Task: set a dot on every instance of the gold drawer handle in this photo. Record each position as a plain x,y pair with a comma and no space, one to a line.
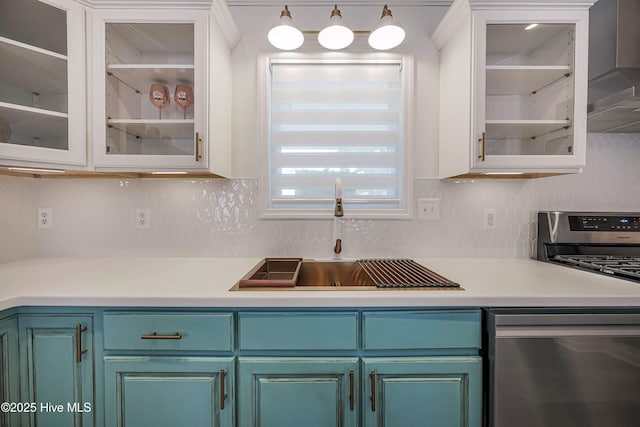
155,336
372,376
79,350
352,391
223,394
197,143
482,152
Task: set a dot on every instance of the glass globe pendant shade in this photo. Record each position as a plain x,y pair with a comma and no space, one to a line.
336,35
388,34
285,35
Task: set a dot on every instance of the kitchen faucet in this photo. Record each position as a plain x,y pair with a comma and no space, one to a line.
338,212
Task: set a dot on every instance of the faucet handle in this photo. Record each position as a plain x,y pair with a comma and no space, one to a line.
338,247
338,211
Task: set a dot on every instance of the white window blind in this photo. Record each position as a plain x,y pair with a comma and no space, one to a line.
331,120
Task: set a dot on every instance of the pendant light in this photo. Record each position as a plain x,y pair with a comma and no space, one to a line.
388,34
285,34
336,35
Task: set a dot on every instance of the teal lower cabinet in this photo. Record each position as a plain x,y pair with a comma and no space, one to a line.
422,391
9,369
301,367
371,368
296,392
167,391
56,366
422,368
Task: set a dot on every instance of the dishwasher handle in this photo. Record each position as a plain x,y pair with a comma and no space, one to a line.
542,331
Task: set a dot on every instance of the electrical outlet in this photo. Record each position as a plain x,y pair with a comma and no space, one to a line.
45,218
143,218
489,219
429,209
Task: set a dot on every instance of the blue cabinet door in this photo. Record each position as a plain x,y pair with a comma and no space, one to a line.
422,392
296,392
169,391
9,369
57,369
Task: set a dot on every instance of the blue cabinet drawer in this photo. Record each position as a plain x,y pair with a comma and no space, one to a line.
298,331
421,330
168,331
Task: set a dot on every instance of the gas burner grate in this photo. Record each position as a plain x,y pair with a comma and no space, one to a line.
404,273
622,266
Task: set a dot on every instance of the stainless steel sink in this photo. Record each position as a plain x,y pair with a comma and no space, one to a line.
333,273
298,273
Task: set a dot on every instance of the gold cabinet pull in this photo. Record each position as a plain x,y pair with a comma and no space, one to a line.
155,336
79,350
352,397
223,395
482,151
372,375
198,141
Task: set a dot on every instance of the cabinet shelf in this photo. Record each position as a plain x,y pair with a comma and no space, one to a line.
140,76
522,129
155,129
522,79
32,68
6,107
27,123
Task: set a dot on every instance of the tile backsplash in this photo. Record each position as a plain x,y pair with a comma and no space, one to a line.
96,217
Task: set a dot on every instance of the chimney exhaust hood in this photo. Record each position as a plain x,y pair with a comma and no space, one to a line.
614,67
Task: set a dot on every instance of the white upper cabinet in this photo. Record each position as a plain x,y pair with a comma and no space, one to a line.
151,91
42,83
513,88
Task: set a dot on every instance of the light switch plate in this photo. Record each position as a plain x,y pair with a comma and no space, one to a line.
429,209
489,219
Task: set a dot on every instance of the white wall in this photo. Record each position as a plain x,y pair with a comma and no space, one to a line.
96,217
18,238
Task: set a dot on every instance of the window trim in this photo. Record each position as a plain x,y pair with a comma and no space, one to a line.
266,212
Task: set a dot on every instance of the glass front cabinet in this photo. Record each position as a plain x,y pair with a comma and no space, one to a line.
513,88
42,83
150,90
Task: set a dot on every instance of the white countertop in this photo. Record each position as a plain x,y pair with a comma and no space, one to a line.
205,282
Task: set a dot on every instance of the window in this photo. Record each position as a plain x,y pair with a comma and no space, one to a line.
330,119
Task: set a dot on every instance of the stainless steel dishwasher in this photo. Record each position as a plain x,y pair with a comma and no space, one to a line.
562,368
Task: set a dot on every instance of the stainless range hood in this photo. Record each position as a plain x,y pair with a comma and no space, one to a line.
614,66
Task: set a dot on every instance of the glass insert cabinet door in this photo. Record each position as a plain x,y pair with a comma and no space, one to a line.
154,94
528,84
41,82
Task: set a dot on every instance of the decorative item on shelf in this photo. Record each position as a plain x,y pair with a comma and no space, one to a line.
159,96
184,97
285,35
5,131
152,133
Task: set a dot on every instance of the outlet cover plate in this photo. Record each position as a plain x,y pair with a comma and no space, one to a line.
143,218
45,218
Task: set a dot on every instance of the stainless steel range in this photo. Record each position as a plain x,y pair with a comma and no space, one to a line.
602,242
